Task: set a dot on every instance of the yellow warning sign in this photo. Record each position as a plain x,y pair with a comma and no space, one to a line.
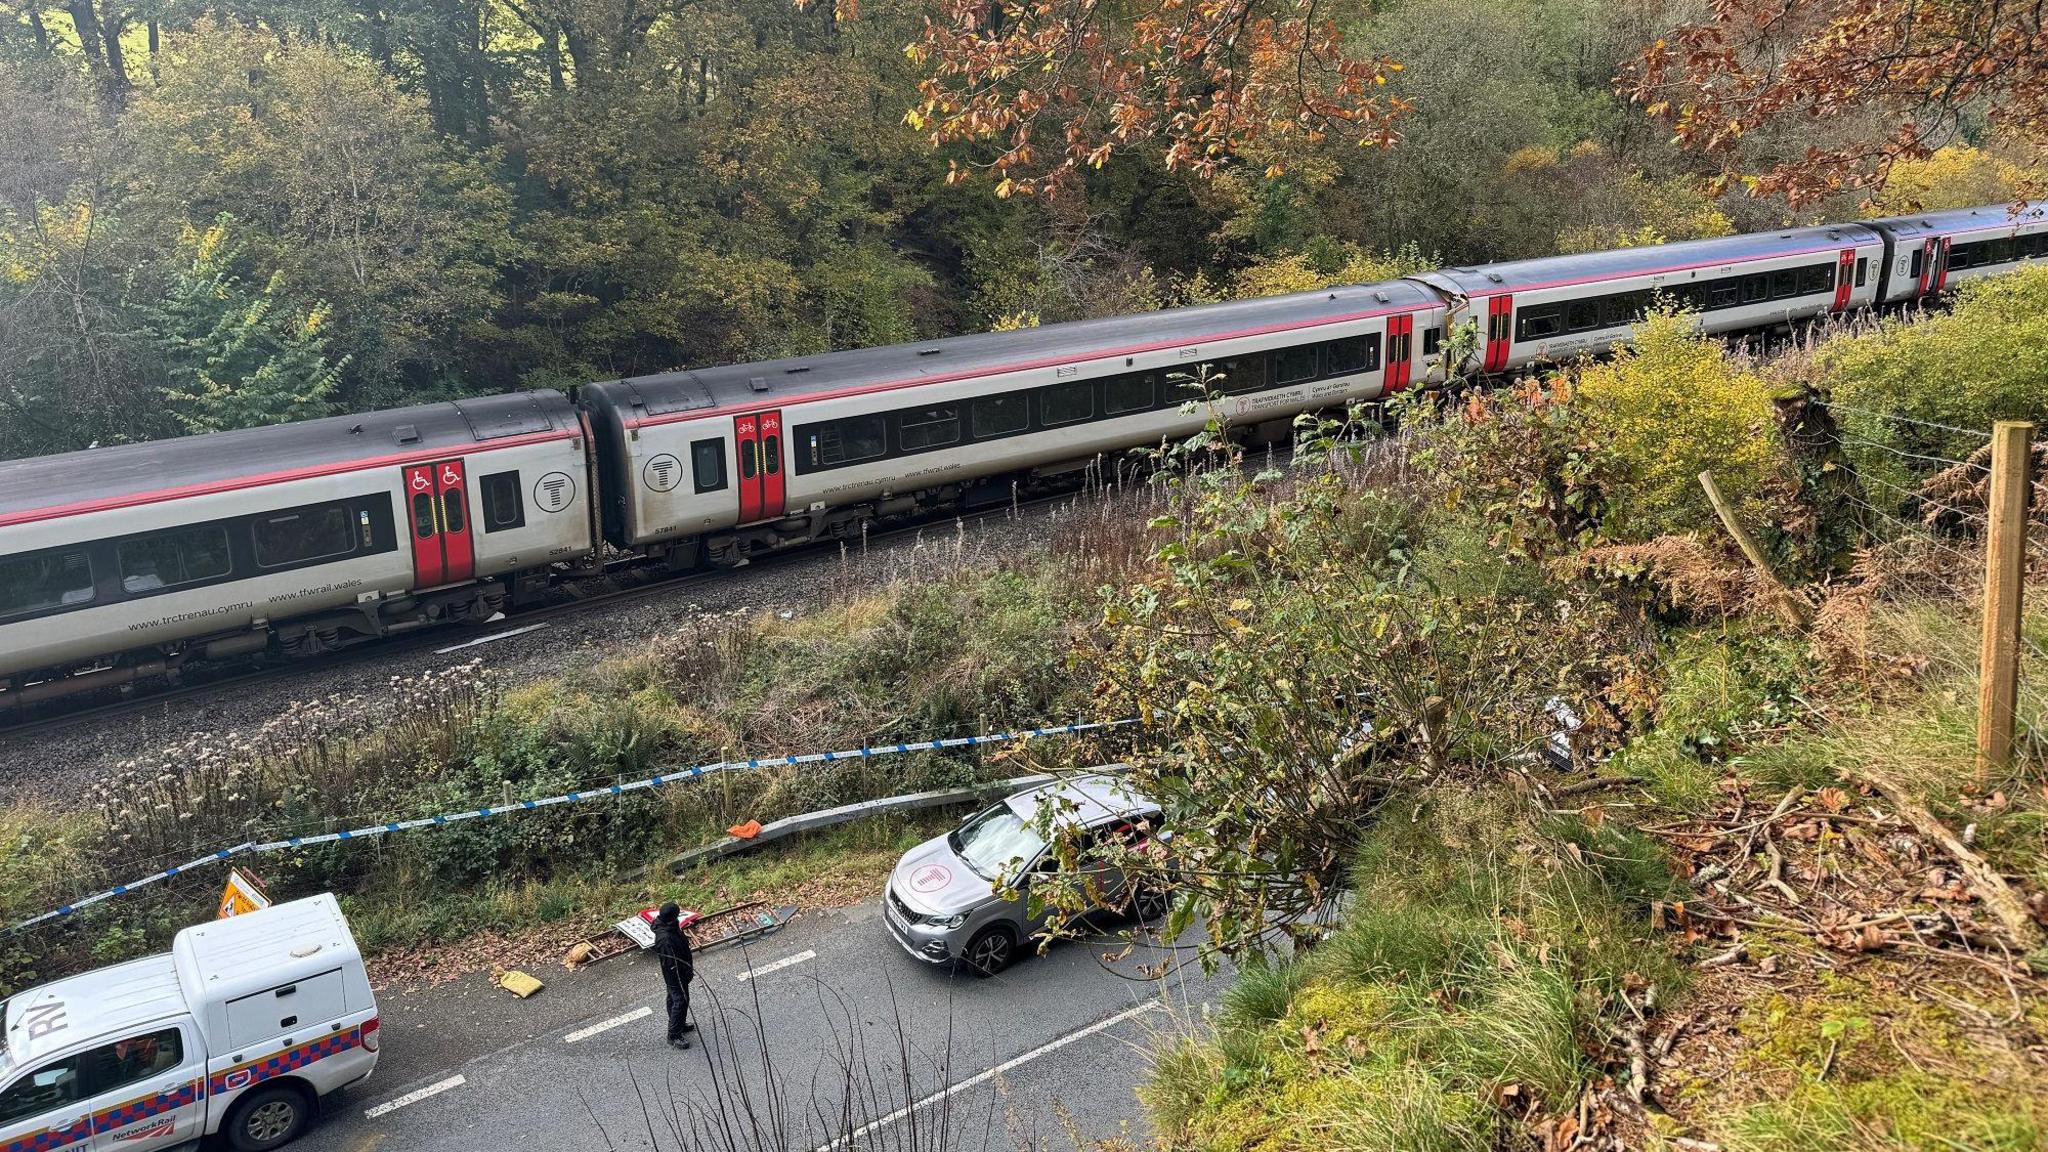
243,894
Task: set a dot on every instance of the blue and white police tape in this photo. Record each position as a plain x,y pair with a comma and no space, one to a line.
578,797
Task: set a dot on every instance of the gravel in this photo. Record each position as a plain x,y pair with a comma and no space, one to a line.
53,765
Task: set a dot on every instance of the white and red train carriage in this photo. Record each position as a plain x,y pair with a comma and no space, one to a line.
304,536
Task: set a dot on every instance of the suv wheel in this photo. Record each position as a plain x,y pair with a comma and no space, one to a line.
268,1118
1149,903
989,952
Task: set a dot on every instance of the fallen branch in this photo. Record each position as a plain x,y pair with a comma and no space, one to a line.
1984,880
1594,785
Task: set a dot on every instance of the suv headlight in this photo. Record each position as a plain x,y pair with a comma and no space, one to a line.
950,921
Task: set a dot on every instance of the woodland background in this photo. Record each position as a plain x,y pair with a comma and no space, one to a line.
225,214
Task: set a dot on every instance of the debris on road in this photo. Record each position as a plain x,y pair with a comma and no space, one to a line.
748,921
519,983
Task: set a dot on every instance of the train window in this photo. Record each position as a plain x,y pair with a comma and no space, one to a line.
1354,354
504,506
771,453
1003,415
1918,254
1239,374
1582,315
1398,347
423,515
1862,271
707,464
922,429
452,507
1816,278
1962,256
1724,294
1755,288
1538,322
168,559
1066,403
316,532
2001,251
1432,339
38,581
1784,283
1293,365
836,443
1132,393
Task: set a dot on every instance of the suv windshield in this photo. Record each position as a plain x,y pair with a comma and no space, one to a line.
995,840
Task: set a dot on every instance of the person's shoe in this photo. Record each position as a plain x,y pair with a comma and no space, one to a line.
680,1045
689,1027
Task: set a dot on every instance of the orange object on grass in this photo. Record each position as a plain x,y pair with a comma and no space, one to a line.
747,831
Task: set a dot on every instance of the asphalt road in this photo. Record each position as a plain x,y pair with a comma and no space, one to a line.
822,1029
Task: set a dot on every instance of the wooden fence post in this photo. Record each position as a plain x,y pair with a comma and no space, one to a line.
1788,604
2005,559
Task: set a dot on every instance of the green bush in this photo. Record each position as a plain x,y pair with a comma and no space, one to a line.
1984,360
1662,411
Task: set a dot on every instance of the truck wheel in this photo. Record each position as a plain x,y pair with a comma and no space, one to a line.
989,952
268,1118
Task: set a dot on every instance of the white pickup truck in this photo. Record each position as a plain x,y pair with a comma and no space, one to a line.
239,1030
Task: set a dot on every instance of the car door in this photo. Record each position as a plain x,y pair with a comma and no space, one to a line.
44,1107
146,1090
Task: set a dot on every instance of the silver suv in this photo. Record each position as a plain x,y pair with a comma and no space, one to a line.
946,900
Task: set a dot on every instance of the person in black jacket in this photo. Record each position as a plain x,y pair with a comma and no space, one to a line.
672,949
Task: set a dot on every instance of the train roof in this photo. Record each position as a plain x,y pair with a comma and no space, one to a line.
101,475
796,378
1962,219
1556,271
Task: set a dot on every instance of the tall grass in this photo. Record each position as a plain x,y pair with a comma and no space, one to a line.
1463,964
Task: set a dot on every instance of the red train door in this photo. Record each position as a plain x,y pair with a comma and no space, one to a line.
1845,278
1930,253
759,439
1941,271
1500,318
1400,351
437,503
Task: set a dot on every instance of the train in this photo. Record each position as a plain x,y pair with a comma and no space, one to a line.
130,561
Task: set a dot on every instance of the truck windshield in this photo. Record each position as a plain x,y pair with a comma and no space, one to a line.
995,840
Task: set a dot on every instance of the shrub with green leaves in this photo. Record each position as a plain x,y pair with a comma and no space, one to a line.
1659,413
1984,360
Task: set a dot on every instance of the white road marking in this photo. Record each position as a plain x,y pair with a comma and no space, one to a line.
415,1096
779,965
985,1077
488,639
604,1025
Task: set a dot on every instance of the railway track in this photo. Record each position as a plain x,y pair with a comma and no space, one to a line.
201,684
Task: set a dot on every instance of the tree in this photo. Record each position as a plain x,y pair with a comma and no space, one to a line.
236,358
343,191
1957,176
1054,87
71,356
1300,658
1935,69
